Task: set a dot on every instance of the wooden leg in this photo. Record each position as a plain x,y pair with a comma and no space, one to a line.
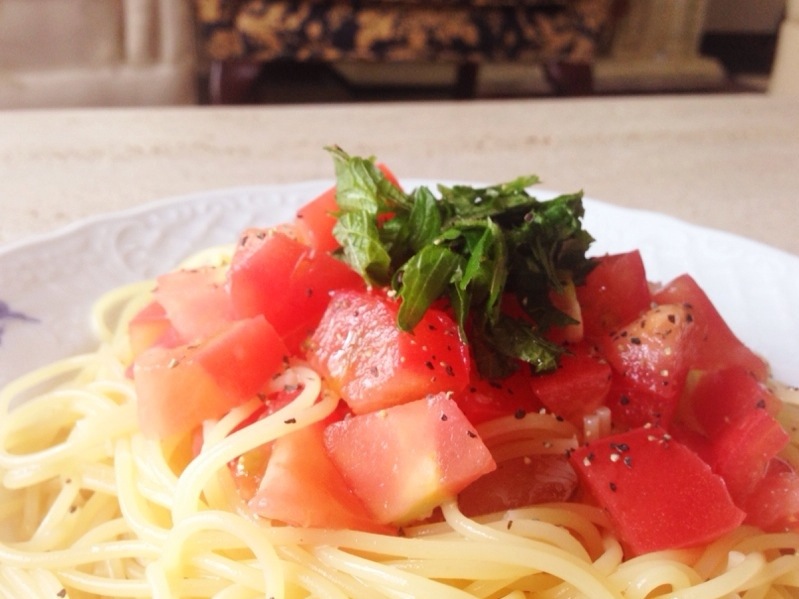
466,81
570,78
233,81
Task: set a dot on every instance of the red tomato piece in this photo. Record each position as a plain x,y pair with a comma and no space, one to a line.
405,460
744,449
520,482
373,364
774,503
632,407
578,386
287,282
316,219
484,400
658,493
302,487
719,346
177,388
150,326
718,398
654,351
614,294
195,301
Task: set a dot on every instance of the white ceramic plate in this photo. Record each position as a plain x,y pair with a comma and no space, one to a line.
48,283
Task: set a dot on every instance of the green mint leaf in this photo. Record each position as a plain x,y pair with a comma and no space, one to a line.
423,279
363,251
361,185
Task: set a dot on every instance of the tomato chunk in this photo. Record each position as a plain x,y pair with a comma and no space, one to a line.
655,350
578,386
774,503
483,399
615,292
177,388
374,365
719,346
150,326
195,301
287,282
405,460
520,482
302,487
658,493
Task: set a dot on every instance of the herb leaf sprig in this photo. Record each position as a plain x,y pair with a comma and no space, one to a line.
470,245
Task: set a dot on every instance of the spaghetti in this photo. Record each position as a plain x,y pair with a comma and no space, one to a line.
89,507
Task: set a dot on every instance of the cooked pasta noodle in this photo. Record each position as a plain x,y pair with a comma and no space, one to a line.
89,507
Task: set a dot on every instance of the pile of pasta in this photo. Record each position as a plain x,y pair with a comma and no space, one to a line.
89,507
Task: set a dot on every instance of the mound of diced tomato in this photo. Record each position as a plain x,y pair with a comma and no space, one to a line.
696,446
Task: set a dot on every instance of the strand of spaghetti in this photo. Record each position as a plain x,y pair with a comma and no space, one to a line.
584,520
118,305
498,428
611,557
177,543
552,560
292,416
713,559
52,527
735,579
350,586
528,447
546,532
454,568
16,582
390,581
643,576
20,388
90,442
132,505
778,541
76,556
775,569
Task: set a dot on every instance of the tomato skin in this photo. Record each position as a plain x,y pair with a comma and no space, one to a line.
658,493
177,388
150,326
719,346
419,454
195,301
482,400
285,281
520,482
654,351
615,292
301,486
773,505
719,398
373,364
743,450
578,386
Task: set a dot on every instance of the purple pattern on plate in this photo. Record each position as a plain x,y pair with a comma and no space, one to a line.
6,313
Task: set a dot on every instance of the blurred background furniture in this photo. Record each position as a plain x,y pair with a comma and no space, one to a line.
238,37
785,73
96,53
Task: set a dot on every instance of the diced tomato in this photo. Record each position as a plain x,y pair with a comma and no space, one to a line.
287,282
631,406
150,326
578,386
614,294
520,482
719,346
654,351
744,449
484,400
177,388
374,365
247,470
405,460
316,219
195,301
719,398
774,503
302,487
658,493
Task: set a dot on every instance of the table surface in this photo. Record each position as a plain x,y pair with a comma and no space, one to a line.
728,162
